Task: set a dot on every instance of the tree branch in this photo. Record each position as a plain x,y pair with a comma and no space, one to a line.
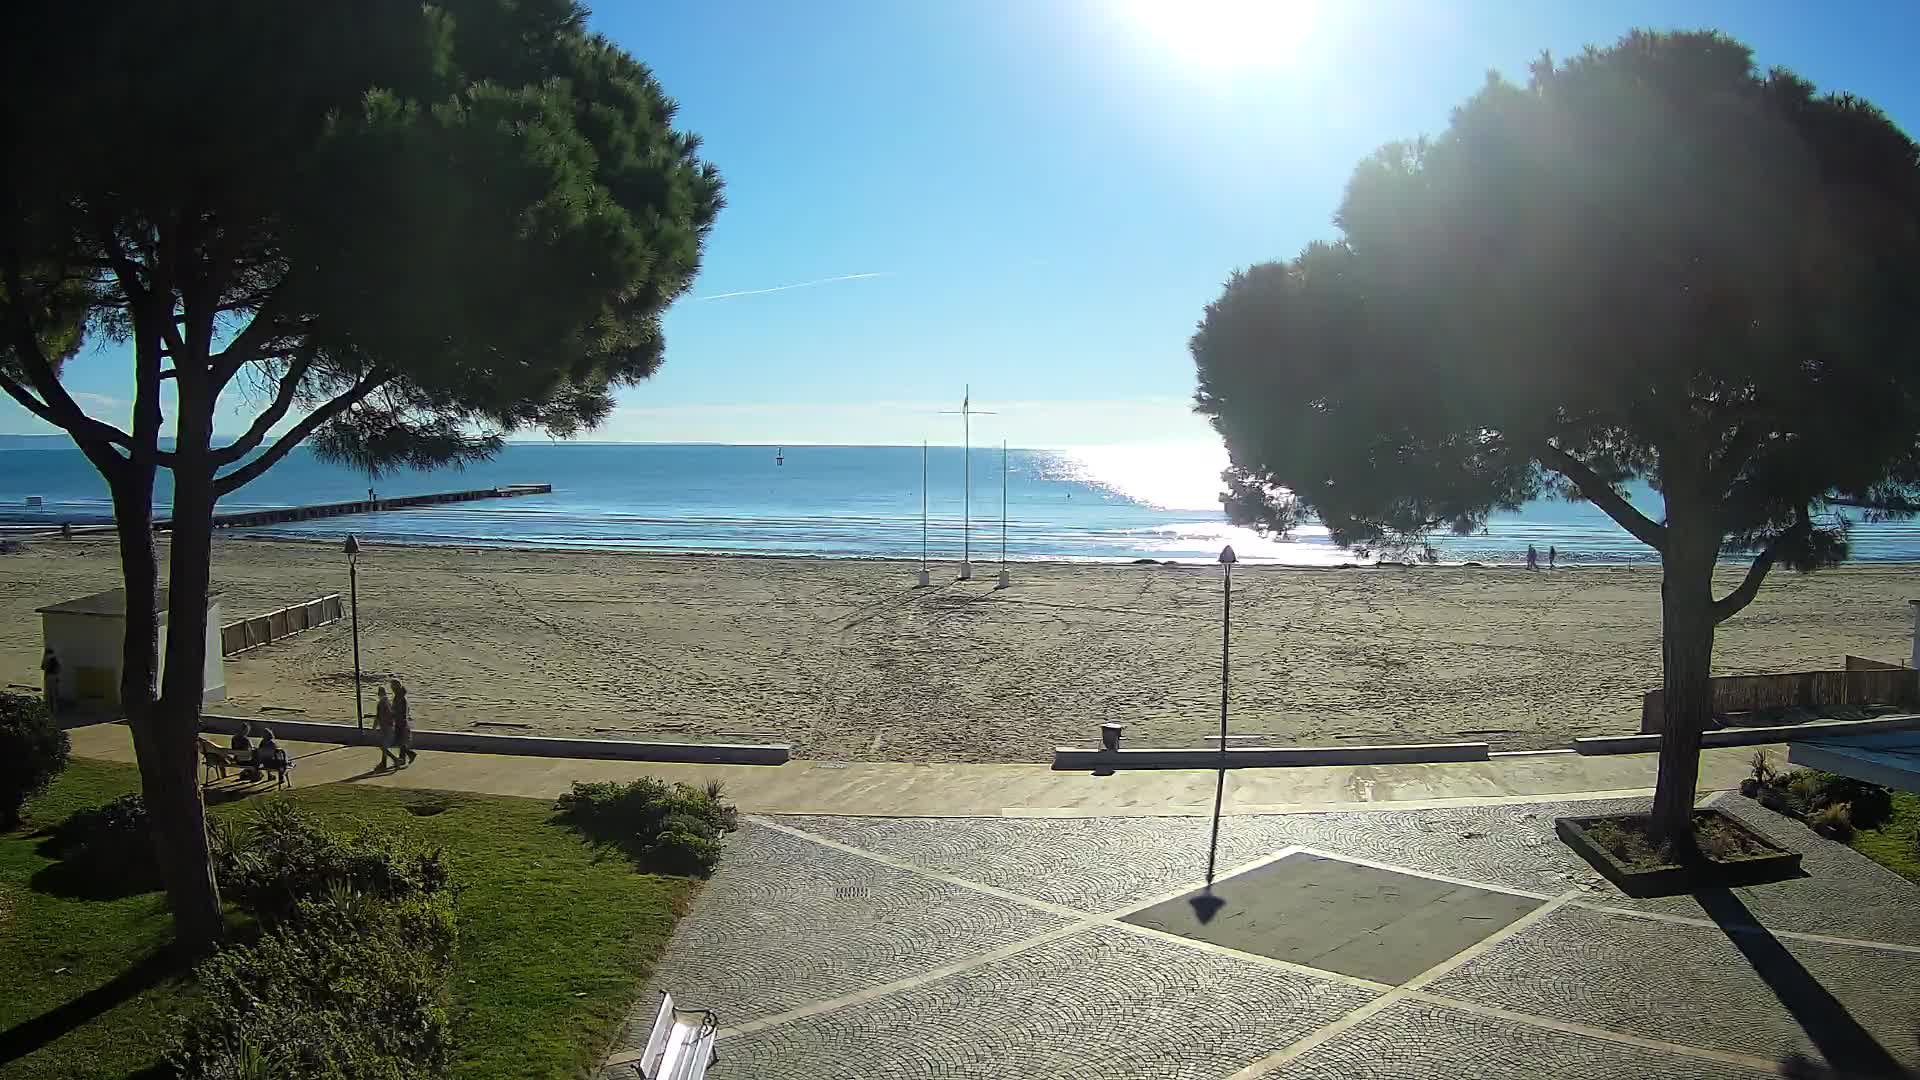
1731,604
1740,447
282,401
246,346
245,474
54,405
1602,494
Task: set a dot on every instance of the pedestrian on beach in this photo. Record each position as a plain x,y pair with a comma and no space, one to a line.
402,727
1553,555
1533,557
383,731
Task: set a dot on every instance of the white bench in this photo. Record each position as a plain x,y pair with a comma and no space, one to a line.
680,1046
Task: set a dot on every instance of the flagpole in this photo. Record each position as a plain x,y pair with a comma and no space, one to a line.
1006,578
966,503
924,577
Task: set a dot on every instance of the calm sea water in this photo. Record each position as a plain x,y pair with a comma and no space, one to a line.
1094,503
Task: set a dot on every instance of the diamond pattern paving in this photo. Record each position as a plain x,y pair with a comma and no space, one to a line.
1697,987
1340,916
1415,1040
1103,1003
989,987
786,922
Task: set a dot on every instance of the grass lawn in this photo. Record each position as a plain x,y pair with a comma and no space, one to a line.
555,937
1894,845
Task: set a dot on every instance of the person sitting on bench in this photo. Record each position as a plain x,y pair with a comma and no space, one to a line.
243,739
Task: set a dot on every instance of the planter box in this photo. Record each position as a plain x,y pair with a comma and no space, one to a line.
1778,863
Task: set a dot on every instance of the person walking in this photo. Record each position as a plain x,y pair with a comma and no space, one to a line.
50,682
1533,557
383,731
1553,555
403,754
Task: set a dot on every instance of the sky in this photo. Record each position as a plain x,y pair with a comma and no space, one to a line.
1037,198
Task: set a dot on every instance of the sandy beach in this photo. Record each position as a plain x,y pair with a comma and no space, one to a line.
847,661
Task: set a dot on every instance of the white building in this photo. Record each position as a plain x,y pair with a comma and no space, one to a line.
88,635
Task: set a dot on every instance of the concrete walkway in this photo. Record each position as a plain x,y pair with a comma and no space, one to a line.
876,789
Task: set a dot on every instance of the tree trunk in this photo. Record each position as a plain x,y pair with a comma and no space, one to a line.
181,832
1686,646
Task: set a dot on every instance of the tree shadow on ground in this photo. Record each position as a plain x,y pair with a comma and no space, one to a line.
150,971
1849,1048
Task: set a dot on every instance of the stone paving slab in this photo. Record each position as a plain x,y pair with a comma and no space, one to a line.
1695,985
785,922
1417,1040
1102,1003
1340,916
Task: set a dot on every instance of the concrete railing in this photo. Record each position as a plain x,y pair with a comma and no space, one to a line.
1753,736
1075,759
467,742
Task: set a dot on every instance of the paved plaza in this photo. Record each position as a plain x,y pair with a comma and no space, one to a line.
1451,943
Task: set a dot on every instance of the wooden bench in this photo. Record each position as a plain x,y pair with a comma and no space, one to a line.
680,1047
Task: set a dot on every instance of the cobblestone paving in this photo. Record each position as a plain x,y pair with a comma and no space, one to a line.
1102,1003
792,925
1416,1040
1691,985
1845,894
786,921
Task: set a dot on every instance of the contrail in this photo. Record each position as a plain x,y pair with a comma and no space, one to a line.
784,288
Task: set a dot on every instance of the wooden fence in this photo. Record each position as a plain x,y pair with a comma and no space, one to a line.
238,637
1859,685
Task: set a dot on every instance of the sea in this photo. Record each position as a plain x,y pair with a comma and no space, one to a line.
1092,504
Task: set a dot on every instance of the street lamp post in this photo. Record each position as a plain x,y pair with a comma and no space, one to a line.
353,591
1227,559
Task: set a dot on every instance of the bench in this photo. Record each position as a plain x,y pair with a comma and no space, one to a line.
680,1047
218,759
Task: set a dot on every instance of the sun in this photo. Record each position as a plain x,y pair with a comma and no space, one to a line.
1224,34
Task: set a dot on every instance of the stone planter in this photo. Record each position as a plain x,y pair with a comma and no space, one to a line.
1775,864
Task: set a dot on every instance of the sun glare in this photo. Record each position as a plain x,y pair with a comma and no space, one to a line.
1224,34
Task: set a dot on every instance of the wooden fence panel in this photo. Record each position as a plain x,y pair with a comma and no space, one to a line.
1748,693
238,637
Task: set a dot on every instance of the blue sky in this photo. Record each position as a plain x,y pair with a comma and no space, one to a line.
1039,196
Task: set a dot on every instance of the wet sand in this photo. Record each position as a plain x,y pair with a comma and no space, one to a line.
846,660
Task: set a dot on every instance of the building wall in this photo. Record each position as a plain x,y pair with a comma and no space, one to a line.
90,647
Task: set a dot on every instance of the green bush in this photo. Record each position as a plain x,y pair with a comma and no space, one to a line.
33,750
110,844
665,828
1833,821
1872,805
349,980
279,858
349,986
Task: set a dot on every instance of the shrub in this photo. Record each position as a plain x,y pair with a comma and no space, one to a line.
349,986
1833,821
1763,771
279,859
109,846
665,828
1872,805
33,750
350,979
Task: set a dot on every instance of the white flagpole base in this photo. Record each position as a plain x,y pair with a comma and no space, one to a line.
923,579
1006,579
966,571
